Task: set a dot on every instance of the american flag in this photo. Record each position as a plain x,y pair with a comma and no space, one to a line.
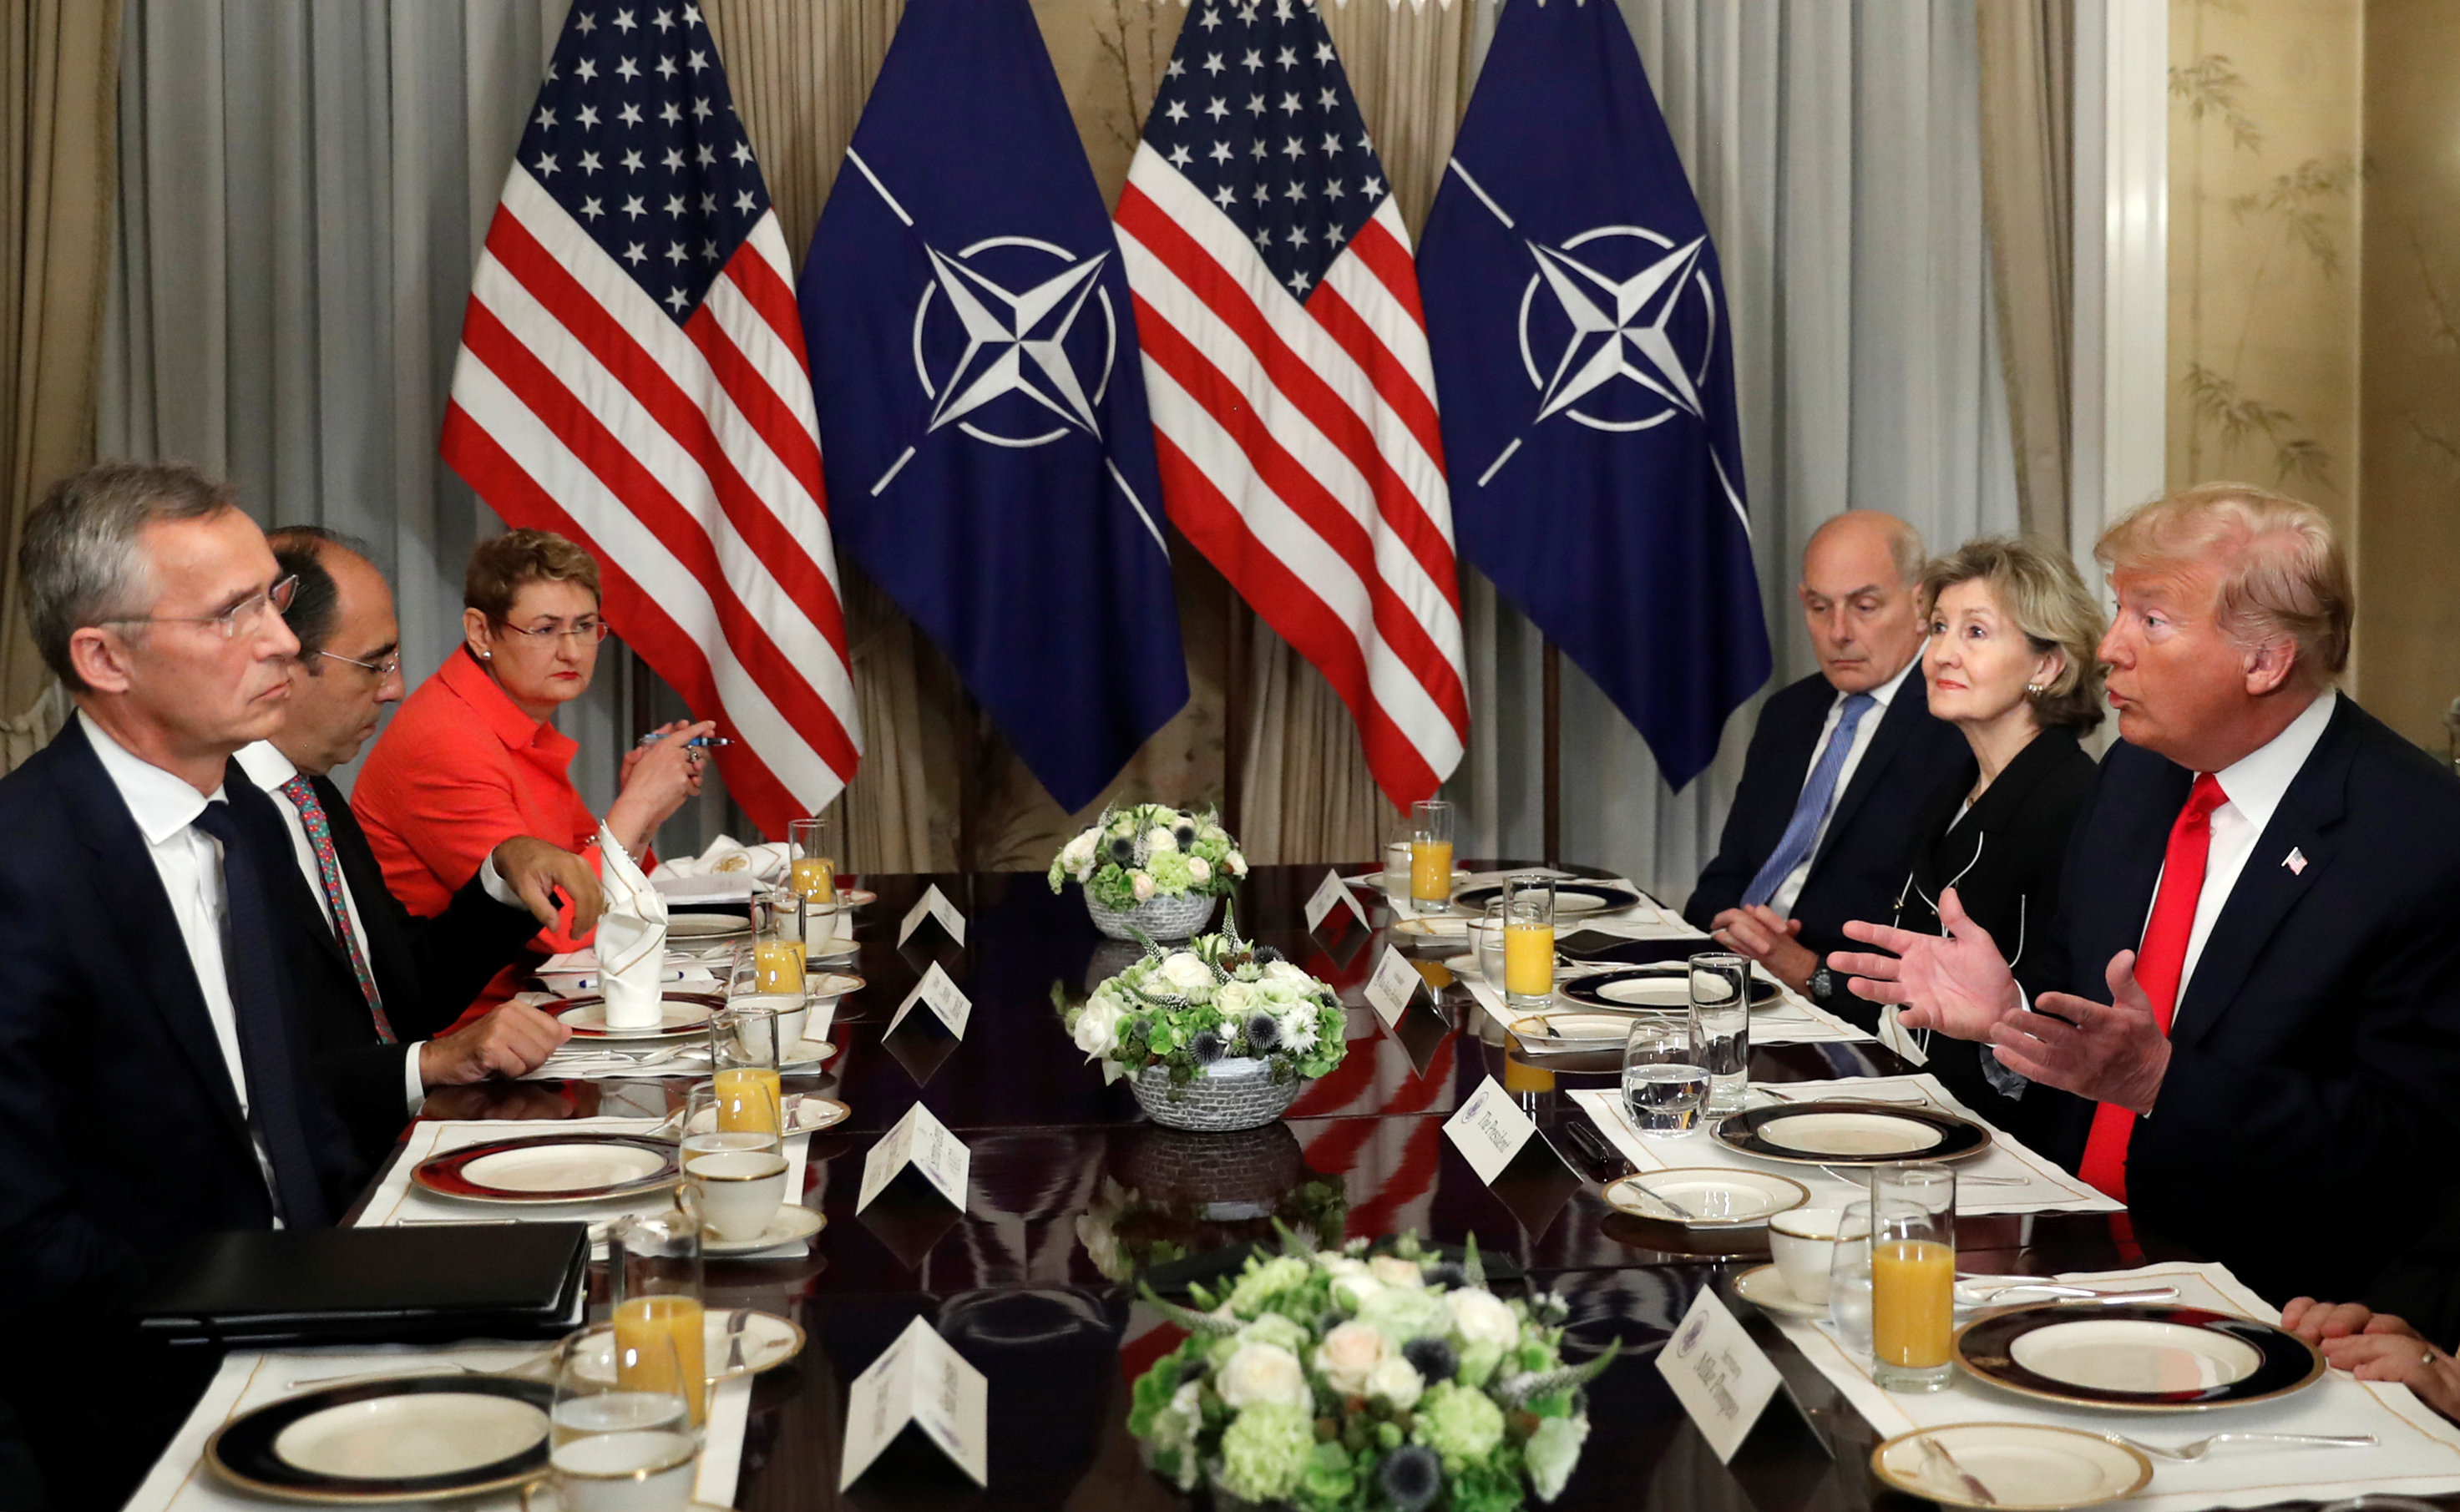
1286,365
632,375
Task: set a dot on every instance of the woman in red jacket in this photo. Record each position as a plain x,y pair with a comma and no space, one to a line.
473,757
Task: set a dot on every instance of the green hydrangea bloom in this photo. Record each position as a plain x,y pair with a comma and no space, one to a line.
1273,1328
1170,872
1266,1450
1478,1363
1330,1480
1460,1424
1402,1314
1258,1289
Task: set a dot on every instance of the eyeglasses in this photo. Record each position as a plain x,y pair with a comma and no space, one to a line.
240,614
382,669
591,631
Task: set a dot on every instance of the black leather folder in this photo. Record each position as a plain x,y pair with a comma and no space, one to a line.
267,1287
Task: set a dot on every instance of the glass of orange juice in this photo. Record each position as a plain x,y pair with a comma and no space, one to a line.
1529,943
1913,1275
1431,852
653,1267
811,849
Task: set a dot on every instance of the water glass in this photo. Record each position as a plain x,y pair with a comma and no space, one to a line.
622,1446
1849,1276
1431,852
1529,943
653,1268
1396,867
811,849
734,1165
1721,1005
1486,940
1664,1086
1912,1295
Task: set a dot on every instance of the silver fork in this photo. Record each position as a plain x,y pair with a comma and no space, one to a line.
735,1339
2190,1453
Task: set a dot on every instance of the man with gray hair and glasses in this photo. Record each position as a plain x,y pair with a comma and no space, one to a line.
153,1082
2249,1004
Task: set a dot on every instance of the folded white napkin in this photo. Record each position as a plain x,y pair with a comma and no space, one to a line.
631,939
726,854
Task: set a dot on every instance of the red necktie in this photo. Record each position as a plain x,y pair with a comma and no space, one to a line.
2158,965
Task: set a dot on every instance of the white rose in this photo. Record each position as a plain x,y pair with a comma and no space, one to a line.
1333,1262
1346,1357
1264,1373
1098,1028
1142,884
1395,1378
1198,869
1079,854
1481,1319
1160,839
1281,971
1394,1271
1238,998
1353,1290
1186,973
1236,863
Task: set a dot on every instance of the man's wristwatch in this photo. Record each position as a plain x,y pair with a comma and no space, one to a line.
1822,985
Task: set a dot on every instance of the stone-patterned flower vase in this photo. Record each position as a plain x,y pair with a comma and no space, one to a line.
1237,1092
1169,920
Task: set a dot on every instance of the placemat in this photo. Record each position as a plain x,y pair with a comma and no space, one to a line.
2418,1454
2039,1185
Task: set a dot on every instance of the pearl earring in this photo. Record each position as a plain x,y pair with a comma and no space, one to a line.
2031,689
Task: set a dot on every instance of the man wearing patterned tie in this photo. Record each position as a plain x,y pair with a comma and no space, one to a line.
2250,1001
382,981
1840,770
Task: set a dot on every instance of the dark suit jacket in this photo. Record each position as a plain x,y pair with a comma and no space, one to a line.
2003,858
1861,860
2316,1048
427,970
121,1134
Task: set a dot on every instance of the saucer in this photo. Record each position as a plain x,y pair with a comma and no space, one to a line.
1763,1287
769,1342
812,1114
2023,1467
792,1225
1706,1196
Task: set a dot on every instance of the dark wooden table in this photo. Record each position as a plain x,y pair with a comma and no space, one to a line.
1069,1181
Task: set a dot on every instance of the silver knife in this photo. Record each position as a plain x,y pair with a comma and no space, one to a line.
1935,1453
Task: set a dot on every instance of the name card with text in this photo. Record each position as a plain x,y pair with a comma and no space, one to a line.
1723,1379
941,993
919,1380
1490,1130
919,1140
1404,1002
933,906
1333,895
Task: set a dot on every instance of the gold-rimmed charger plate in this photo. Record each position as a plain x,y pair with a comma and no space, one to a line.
408,1438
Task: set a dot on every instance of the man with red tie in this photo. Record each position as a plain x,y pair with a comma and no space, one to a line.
2249,1006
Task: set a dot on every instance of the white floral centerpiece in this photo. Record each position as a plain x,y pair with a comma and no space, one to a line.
1221,1035
1343,1381
1151,869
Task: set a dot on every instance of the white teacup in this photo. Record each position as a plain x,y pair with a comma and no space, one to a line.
1803,1240
739,1190
792,1011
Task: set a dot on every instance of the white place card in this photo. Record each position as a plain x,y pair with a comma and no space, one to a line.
1723,1379
1331,893
943,995
1394,983
933,904
920,1380
923,1142
1490,1130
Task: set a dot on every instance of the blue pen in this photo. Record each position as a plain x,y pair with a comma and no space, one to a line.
695,742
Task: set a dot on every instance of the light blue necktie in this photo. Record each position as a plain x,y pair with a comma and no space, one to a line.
1817,792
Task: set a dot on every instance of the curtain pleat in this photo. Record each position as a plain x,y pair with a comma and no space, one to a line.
59,68
2028,48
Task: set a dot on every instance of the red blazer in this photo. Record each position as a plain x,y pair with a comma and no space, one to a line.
459,770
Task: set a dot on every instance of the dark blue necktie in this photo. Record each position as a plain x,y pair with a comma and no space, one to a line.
273,1083
1818,792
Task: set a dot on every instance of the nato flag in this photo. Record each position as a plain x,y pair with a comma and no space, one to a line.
982,402
1581,345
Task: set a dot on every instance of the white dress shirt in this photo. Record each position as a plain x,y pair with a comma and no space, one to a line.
2254,785
190,864
1865,732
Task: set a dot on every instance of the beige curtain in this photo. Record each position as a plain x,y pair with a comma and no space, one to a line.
59,71
2027,193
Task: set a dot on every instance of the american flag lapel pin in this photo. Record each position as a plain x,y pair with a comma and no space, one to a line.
2296,862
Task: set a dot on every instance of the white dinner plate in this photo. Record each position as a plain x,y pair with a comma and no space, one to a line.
706,925
769,1342
675,1021
2128,1355
402,1438
1864,1134
1706,1196
2021,1467
1442,926
811,1115
792,1224
1763,1287
828,986
561,1168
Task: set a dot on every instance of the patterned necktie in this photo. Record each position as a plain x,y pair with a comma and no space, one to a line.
275,1083
1794,847
2158,967
329,873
